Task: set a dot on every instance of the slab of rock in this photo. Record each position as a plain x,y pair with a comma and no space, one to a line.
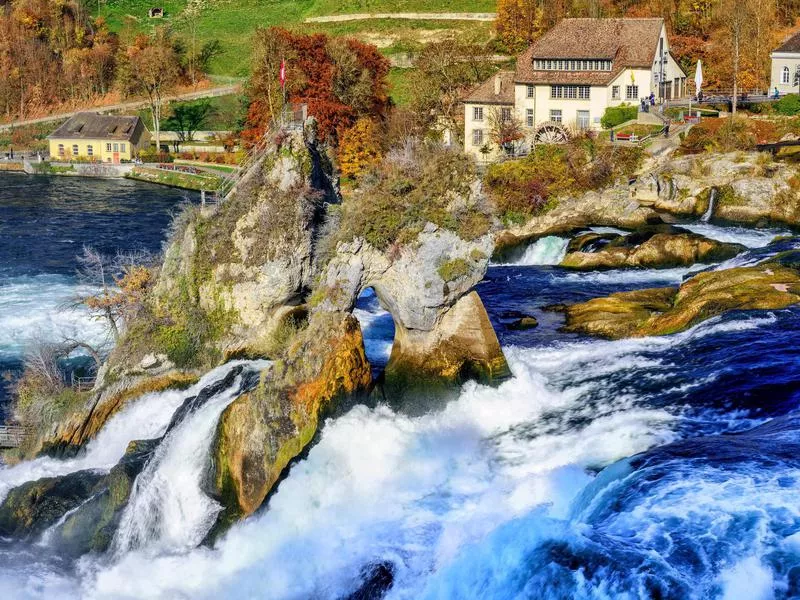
657,251
660,311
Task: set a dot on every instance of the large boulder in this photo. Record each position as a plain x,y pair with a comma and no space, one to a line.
771,285
262,431
652,250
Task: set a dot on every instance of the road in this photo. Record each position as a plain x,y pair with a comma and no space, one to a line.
407,16
207,93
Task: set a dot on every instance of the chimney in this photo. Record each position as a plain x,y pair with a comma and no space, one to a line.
497,85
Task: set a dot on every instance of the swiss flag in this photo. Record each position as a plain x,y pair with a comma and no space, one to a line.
283,73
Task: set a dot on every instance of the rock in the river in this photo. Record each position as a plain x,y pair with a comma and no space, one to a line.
523,323
653,250
34,506
771,285
263,430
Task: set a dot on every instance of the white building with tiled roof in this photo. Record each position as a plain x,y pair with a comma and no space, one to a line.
568,78
786,66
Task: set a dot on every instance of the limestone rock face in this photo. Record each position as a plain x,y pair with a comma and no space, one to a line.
651,250
746,187
263,430
442,332
771,285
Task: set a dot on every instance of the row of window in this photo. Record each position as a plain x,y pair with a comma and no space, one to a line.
572,65
90,149
570,92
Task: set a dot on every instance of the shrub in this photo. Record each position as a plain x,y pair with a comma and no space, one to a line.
720,135
789,105
359,148
452,269
617,115
151,156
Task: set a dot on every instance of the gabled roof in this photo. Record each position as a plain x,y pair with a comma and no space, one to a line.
94,126
629,43
790,45
485,92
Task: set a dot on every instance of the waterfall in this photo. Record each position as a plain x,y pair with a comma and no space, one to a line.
168,509
712,201
548,250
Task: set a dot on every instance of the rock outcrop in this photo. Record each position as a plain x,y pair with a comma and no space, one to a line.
774,284
442,332
654,248
749,188
262,431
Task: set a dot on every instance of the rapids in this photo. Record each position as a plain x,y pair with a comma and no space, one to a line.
649,468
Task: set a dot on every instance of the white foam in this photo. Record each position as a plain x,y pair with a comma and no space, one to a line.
752,238
549,250
168,509
40,307
377,328
748,579
145,418
413,490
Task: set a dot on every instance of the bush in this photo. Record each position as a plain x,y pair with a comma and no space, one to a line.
789,105
617,115
151,156
721,135
452,269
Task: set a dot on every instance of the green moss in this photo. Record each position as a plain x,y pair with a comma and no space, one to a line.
452,269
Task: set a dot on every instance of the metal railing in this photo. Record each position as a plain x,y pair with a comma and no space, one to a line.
82,384
11,436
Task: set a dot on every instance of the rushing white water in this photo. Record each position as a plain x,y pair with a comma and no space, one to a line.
39,306
752,238
712,203
145,418
168,509
549,250
453,476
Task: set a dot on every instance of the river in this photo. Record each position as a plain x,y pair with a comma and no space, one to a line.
651,468
44,224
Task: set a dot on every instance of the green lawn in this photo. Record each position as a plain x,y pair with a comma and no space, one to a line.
229,110
233,23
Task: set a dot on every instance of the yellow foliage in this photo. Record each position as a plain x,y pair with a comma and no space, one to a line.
359,148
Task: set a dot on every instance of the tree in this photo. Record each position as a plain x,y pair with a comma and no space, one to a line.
118,285
188,117
518,23
359,148
190,18
153,71
505,129
444,71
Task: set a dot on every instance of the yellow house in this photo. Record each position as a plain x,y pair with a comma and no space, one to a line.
99,138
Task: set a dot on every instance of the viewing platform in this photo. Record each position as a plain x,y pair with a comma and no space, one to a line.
11,436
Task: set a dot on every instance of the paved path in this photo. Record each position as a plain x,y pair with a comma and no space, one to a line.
406,16
207,93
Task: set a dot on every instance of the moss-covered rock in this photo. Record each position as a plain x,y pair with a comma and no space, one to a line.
262,431
661,311
34,506
651,250
91,528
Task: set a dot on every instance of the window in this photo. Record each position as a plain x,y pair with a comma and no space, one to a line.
570,92
631,92
89,150
477,137
505,114
477,113
785,75
583,119
122,147
61,149
529,91
116,147
615,92
555,116
108,147
75,150
529,117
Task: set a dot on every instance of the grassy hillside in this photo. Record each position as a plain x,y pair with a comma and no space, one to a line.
233,22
